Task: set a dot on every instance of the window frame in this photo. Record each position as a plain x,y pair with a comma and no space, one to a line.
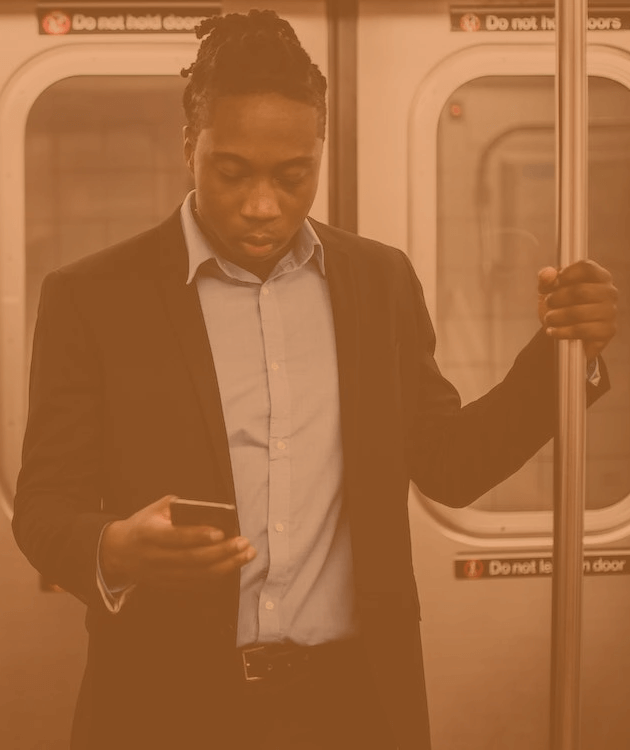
16,100
481,528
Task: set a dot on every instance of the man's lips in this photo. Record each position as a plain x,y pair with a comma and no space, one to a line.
258,245
259,240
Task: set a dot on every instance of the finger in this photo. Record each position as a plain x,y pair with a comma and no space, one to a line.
198,556
581,294
184,576
230,564
161,507
159,510
547,280
184,537
603,312
209,555
587,332
156,530
584,271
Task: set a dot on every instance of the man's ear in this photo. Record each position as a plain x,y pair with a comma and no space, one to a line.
189,148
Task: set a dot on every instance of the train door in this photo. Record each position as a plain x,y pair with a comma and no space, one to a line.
91,153
463,179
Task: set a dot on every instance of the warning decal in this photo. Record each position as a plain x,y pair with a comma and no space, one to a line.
536,567
121,19
496,19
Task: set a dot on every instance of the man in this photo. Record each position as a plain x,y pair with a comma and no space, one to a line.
239,352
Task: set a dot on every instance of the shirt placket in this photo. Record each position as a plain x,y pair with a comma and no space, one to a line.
270,604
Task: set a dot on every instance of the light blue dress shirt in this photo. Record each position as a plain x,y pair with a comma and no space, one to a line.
273,344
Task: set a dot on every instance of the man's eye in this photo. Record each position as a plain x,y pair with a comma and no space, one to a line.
231,176
292,178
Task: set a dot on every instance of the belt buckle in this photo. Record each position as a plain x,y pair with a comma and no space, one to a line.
246,665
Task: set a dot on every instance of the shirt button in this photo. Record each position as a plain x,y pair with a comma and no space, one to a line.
265,291
269,605
282,445
274,365
279,527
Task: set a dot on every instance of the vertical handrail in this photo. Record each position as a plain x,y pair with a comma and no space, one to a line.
342,120
572,206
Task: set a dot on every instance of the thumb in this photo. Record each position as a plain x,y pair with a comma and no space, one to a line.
162,507
547,279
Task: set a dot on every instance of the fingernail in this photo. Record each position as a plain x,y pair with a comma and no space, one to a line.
251,554
242,543
216,535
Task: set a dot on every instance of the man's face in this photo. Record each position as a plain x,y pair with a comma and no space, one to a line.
255,168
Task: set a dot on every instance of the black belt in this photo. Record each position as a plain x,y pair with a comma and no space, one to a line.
275,663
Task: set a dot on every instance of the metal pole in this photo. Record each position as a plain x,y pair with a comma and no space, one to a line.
342,120
572,183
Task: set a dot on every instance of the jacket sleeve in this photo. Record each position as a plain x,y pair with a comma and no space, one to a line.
58,519
456,453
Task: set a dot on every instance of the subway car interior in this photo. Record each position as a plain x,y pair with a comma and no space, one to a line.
442,142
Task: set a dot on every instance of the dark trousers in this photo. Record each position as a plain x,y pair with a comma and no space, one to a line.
333,705
174,699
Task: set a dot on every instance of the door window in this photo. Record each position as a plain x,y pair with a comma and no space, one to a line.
103,161
496,228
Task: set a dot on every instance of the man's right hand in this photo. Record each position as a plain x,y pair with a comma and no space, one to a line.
147,548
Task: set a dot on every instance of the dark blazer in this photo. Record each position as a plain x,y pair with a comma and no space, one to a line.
125,408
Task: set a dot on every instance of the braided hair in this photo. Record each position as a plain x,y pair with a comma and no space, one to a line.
257,53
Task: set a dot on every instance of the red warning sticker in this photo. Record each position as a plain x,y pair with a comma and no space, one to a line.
56,22
473,569
470,22
122,19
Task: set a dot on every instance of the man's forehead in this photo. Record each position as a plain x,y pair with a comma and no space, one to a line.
253,108
246,126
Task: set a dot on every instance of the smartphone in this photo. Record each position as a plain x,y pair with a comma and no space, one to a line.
201,513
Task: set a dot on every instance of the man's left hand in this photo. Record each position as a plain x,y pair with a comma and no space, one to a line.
579,302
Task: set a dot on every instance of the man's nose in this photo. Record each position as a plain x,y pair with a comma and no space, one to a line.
261,203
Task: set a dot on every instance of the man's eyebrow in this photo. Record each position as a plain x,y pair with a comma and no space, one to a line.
297,161
226,155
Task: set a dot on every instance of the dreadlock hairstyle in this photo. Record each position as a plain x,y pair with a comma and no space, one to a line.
257,53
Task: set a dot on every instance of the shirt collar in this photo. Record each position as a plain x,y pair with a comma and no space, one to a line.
308,245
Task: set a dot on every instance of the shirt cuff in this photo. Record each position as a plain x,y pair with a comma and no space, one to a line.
593,373
113,597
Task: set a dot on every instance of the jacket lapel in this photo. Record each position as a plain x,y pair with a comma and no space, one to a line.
343,296
183,309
